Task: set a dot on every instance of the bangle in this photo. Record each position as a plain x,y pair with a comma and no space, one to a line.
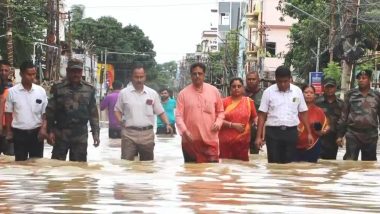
230,124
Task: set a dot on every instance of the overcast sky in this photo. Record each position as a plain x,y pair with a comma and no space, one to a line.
174,26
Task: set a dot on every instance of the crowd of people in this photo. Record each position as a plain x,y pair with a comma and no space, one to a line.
295,123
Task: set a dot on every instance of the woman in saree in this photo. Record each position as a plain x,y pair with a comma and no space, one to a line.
318,125
240,113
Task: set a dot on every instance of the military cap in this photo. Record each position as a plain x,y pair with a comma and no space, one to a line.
364,72
75,64
329,81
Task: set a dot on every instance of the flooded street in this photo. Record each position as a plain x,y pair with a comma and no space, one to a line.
107,184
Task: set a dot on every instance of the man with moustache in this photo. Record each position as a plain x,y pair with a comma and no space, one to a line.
359,121
71,106
135,109
255,92
199,117
332,107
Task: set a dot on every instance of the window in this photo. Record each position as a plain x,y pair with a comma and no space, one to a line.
271,49
225,18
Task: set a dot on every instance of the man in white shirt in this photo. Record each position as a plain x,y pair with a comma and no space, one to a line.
26,103
137,104
282,105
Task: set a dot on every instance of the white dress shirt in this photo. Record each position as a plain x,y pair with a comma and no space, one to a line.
282,108
138,108
27,107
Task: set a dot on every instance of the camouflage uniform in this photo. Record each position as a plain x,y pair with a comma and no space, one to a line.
359,124
68,112
333,112
256,97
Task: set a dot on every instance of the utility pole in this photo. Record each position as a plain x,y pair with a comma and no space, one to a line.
10,37
349,29
58,41
332,29
318,54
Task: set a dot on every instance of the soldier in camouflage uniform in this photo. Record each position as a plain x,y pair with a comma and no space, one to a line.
254,92
360,119
332,106
71,106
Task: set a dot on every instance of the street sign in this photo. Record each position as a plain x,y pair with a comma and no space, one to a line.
315,79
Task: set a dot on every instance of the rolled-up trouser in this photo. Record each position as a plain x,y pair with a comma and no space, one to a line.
72,140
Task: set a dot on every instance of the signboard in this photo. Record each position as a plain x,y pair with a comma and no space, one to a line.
315,79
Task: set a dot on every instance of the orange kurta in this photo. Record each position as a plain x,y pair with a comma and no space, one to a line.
196,113
233,144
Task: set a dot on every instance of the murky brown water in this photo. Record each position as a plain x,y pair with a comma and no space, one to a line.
108,185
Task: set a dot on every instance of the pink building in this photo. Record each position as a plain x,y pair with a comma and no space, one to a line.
270,37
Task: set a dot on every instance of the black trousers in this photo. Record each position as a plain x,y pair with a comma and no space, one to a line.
26,144
281,143
162,129
114,133
354,146
329,148
252,146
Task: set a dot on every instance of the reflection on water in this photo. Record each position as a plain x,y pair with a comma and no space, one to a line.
107,184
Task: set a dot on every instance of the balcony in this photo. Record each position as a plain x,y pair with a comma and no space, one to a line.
251,53
252,22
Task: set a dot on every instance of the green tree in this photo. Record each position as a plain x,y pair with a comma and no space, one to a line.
163,76
333,70
29,26
108,33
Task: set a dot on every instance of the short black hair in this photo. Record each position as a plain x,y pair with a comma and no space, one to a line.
198,64
26,65
282,71
4,62
136,66
304,87
164,89
236,79
117,85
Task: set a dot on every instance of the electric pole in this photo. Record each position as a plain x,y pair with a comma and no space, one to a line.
349,29
9,34
332,29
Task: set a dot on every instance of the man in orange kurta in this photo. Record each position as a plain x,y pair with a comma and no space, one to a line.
199,117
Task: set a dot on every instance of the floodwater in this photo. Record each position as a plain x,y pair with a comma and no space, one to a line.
107,184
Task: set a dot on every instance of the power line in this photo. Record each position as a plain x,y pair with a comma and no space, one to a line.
150,6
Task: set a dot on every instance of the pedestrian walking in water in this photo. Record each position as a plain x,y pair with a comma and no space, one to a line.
25,115
169,105
109,102
135,109
318,125
360,120
71,106
279,109
6,146
255,92
332,107
240,113
199,117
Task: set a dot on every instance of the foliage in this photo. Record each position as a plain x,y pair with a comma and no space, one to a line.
305,33
163,76
334,71
107,33
369,65
29,25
